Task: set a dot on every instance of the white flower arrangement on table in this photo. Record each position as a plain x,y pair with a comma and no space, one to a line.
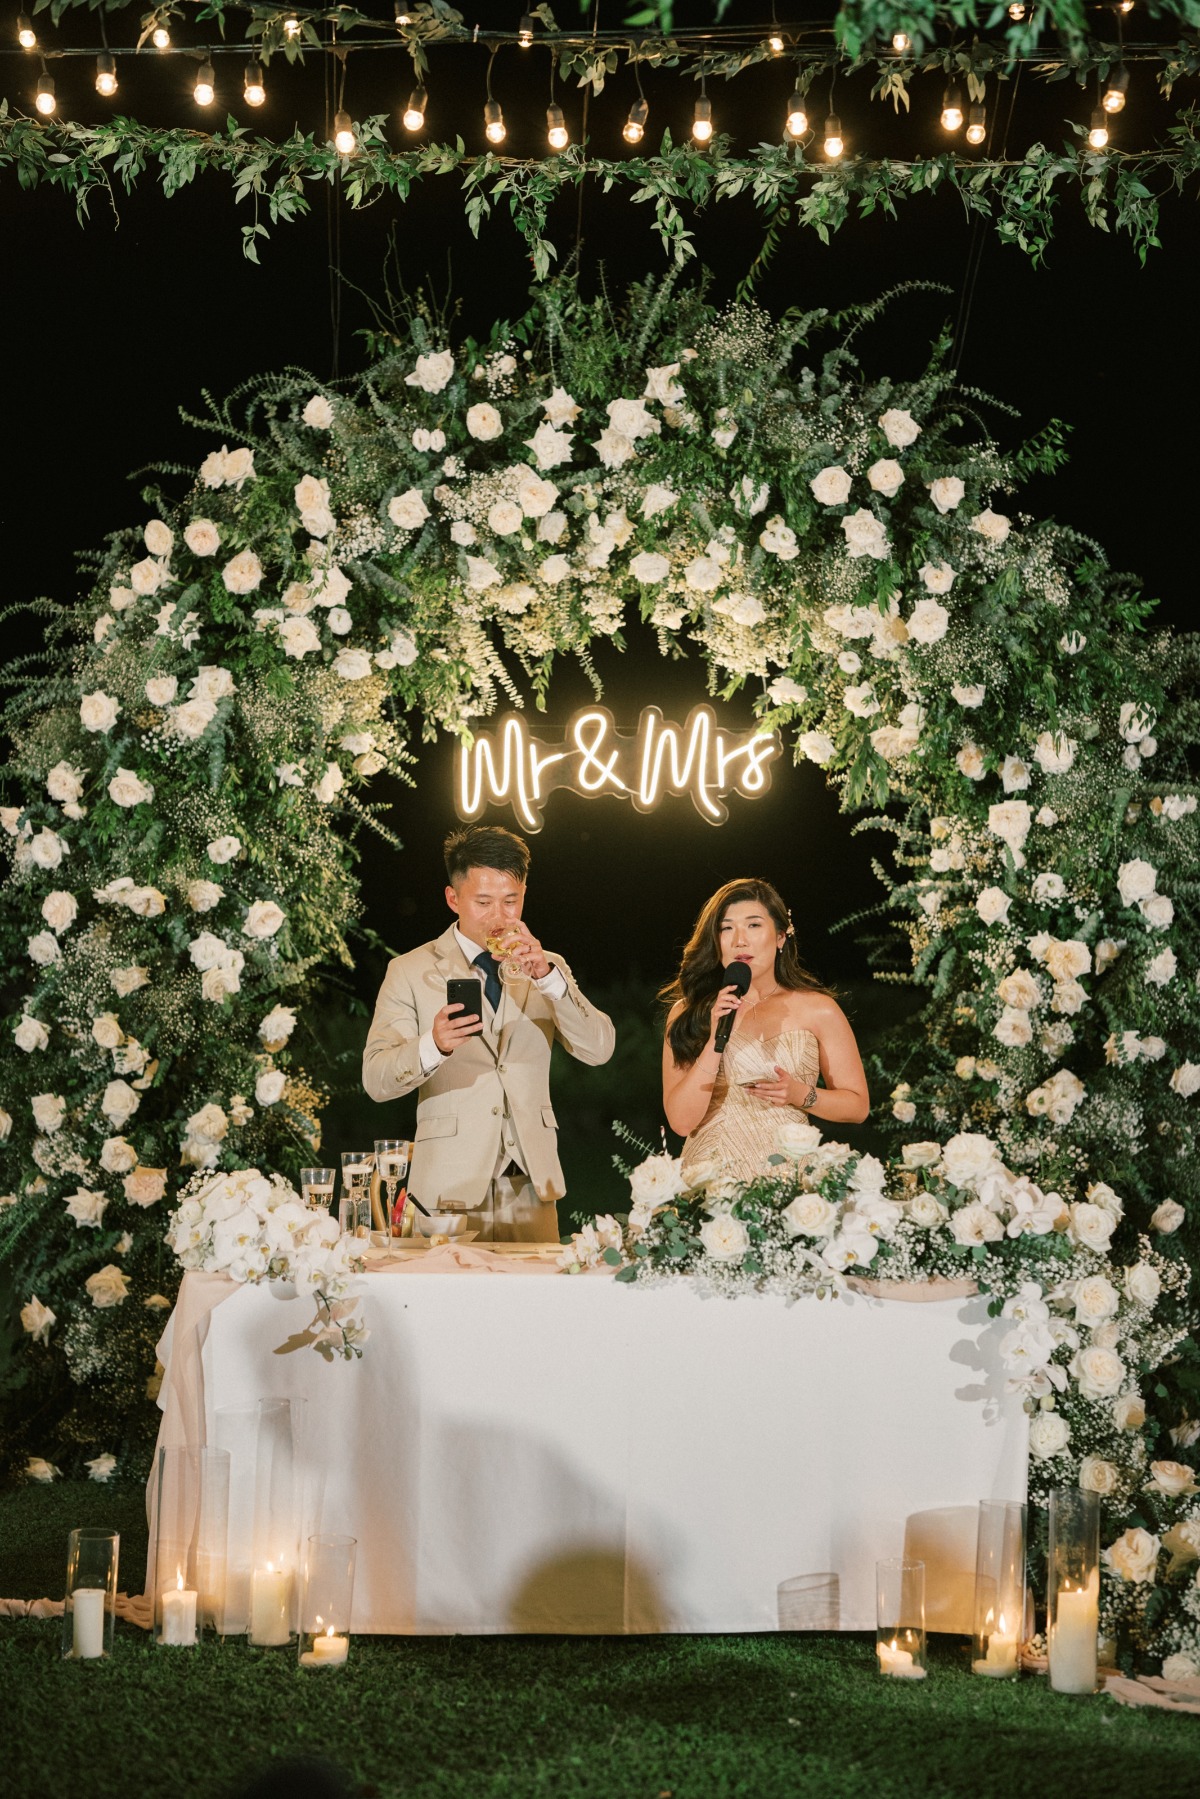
254,1227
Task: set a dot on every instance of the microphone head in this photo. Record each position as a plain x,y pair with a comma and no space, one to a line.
736,974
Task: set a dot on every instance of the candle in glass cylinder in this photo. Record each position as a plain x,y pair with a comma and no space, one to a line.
328,1651
897,1662
1000,1661
270,1606
179,1615
1073,1637
87,1622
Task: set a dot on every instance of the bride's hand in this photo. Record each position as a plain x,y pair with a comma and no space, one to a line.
728,1000
777,1092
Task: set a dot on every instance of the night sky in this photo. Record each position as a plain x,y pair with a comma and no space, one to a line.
110,328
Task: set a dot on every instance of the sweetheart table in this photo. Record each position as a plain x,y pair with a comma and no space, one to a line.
522,1451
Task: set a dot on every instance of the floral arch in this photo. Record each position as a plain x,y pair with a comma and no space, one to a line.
350,564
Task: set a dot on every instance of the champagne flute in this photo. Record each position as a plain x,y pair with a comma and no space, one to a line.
391,1159
500,944
316,1188
354,1208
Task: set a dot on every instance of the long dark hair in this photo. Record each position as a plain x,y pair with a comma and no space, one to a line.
699,979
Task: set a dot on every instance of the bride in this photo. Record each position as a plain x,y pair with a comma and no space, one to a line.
789,1035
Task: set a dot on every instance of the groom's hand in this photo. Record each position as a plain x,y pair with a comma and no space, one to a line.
524,948
453,1025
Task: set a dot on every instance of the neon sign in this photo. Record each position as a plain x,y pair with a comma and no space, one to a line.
509,767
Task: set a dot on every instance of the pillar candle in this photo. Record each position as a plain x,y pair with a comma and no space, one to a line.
1072,1638
270,1606
87,1622
179,1617
897,1662
328,1651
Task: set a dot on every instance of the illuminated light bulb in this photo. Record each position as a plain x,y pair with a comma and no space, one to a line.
635,125
253,88
834,143
1114,94
1098,134
403,16
775,44
901,42
414,112
291,27
44,99
205,90
160,37
952,112
797,118
493,123
557,135
106,75
344,140
702,125
1016,11
26,35
976,125
1125,6
525,31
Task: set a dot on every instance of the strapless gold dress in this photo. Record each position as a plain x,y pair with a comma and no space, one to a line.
738,1132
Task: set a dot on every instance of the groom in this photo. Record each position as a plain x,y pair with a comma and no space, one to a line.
486,1132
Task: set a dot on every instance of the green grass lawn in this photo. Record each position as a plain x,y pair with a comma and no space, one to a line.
609,1718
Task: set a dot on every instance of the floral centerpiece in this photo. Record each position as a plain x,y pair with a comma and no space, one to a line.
255,1227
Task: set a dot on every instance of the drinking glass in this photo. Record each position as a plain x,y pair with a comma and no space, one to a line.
316,1187
500,944
391,1159
354,1208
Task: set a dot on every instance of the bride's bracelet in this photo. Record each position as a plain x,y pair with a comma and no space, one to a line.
809,1100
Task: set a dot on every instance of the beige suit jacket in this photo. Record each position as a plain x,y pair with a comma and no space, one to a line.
493,1092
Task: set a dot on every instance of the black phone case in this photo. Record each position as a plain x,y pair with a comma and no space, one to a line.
467,992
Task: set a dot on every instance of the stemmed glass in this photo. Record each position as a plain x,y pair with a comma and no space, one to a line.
354,1207
316,1188
500,944
391,1159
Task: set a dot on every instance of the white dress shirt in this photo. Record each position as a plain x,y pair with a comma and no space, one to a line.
553,985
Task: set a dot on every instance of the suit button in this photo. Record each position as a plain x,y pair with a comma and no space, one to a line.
495,1111
499,1068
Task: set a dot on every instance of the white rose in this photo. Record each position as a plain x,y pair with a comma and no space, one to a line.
554,569
817,746
43,949
147,576
900,428
49,1110
408,510
946,492
1167,1218
60,910
216,984
1097,1476
239,467
1066,958
831,486
658,498
30,1034
224,849
968,1157
1091,1225
1133,1557
352,665
202,537
969,761
1135,721
98,712
403,649
86,1208
809,1215
484,422
969,697
505,517
1135,881
921,1155
1095,1299
1129,1411
778,539
1055,752
192,719
117,1156
268,1088
860,700
662,386
64,783
37,1319
318,414
975,1223
158,538
725,1238
128,789
482,574
433,372
299,637
904,1111
992,525
783,691
210,1121
703,574
1142,1284
1161,968
1176,1479
936,577
330,784
992,905
1099,1371
649,567
926,1211
263,919
119,1102
127,980
106,1030
1158,910
1049,1434
107,1287
277,1027
550,447
243,574
886,477
928,622
1185,1081
1010,820
865,536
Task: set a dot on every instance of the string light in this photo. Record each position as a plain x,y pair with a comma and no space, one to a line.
702,124
525,30
291,28
952,112
106,75
493,122
1116,90
1125,6
634,129
160,37
403,16
775,44
976,125
344,140
205,90
1016,11
26,35
901,42
44,99
557,135
797,118
834,144
414,112
1098,134
254,90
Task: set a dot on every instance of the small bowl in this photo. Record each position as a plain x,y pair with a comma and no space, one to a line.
441,1224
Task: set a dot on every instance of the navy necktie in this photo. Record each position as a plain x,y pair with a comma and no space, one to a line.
489,968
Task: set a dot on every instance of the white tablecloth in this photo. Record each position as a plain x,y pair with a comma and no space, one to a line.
571,1455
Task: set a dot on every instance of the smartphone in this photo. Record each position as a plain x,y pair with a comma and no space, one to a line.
467,993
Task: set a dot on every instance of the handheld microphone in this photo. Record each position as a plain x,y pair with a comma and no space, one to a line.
736,975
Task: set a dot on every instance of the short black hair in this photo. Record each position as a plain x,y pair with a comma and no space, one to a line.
485,846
